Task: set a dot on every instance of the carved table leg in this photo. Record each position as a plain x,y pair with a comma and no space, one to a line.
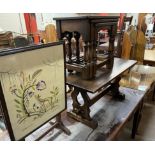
76,104
85,109
82,112
115,90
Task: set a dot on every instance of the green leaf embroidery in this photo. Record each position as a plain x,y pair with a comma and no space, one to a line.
18,110
21,86
19,91
33,88
34,81
29,77
51,92
36,73
17,101
17,106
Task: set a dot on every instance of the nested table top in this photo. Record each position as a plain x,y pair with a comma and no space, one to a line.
103,76
86,17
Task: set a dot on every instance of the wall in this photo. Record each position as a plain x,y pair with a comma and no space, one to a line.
135,18
44,18
13,22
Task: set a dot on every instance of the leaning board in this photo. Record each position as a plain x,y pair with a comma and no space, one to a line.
32,87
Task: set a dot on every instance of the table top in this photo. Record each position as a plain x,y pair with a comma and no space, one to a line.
140,77
103,76
86,17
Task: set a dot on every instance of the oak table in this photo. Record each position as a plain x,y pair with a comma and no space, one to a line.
104,82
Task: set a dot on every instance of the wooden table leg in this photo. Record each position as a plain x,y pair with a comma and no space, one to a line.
76,104
136,120
82,112
115,90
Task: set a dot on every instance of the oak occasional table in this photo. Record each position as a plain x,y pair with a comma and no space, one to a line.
104,82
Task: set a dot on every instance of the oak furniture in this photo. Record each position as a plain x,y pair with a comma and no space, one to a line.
104,82
81,40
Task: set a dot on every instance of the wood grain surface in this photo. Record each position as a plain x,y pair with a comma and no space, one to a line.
103,76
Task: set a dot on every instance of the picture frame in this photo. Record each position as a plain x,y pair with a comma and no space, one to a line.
32,87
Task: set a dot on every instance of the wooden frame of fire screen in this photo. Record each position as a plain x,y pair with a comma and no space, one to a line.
32,87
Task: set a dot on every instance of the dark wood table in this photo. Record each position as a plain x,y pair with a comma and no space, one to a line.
104,82
112,115
85,25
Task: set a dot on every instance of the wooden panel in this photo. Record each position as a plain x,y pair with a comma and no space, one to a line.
102,77
82,26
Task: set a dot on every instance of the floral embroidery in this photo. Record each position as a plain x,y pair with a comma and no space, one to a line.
28,101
